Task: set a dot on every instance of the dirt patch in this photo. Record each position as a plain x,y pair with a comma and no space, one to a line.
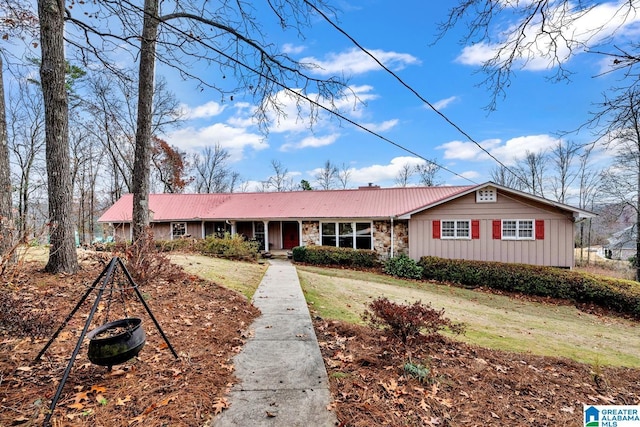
204,322
449,383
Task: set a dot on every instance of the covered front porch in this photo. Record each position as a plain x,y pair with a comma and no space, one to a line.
272,235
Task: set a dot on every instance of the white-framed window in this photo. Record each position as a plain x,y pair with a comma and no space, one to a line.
517,229
455,229
178,230
356,235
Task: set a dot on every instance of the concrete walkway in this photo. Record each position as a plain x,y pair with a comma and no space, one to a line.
283,381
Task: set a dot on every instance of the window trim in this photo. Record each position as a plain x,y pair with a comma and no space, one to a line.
354,232
518,229
178,236
455,229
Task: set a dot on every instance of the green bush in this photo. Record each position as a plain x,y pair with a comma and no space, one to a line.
234,247
402,266
299,254
331,255
619,295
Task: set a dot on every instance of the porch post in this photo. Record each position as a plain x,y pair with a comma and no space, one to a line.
300,233
266,236
234,228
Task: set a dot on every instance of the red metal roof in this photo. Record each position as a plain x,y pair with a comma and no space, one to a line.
366,202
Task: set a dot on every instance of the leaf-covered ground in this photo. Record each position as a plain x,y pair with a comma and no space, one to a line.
203,322
448,383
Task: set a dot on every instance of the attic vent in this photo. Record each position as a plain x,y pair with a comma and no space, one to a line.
486,195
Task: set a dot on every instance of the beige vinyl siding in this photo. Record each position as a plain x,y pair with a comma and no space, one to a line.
556,249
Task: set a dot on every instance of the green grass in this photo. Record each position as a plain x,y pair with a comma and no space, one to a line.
492,321
243,277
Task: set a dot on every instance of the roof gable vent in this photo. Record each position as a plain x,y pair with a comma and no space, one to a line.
486,195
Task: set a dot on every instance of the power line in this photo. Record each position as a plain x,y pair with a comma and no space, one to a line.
300,95
411,89
305,97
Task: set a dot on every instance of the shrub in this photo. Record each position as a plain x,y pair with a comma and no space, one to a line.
175,245
406,321
403,266
234,247
331,255
299,254
619,295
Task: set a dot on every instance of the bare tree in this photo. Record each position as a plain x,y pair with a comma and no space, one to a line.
212,173
428,173
326,177
562,157
507,177
621,116
543,31
26,142
16,20
226,35
589,182
344,175
404,175
531,169
280,180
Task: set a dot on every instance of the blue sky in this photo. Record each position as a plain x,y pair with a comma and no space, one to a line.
445,73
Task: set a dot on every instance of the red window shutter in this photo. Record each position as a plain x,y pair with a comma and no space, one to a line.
539,229
475,229
436,228
497,229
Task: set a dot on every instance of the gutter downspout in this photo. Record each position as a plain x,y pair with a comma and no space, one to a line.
392,238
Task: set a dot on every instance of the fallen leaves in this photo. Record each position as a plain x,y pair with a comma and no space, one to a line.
466,386
151,390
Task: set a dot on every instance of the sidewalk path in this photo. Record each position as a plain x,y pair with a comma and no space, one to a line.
283,381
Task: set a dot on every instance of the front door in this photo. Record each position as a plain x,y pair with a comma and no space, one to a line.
290,235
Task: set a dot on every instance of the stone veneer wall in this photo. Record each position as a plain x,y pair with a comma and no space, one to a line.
310,233
382,237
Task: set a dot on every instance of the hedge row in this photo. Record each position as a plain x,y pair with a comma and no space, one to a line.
330,255
619,295
234,247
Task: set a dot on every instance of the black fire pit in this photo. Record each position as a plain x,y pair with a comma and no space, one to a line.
116,342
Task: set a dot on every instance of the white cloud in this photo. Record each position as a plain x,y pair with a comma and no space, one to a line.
294,113
470,175
289,48
311,142
354,61
209,109
235,140
467,150
379,173
381,127
507,152
444,103
582,30
516,148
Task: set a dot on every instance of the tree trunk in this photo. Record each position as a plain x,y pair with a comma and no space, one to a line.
7,228
637,224
142,161
62,252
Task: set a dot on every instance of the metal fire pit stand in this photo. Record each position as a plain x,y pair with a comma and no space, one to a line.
105,276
